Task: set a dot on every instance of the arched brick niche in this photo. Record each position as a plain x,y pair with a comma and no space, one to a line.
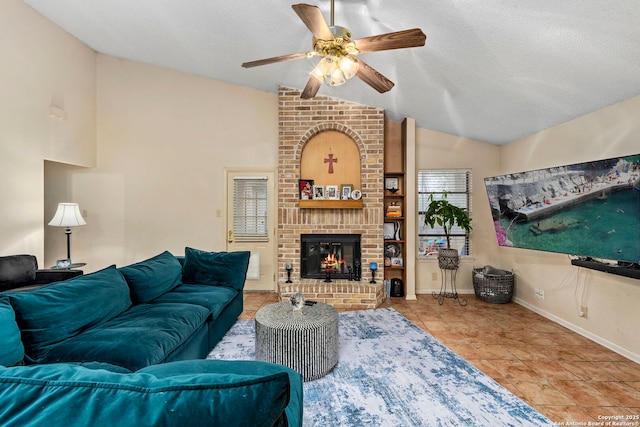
299,121
331,158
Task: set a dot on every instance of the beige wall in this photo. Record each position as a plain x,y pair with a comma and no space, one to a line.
41,66
612,301
164,139
436,150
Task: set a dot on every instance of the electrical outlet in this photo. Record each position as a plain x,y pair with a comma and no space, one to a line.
537,293
434,276
584,310
541,293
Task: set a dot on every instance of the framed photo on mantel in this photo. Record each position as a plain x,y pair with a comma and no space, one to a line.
332,192
305,187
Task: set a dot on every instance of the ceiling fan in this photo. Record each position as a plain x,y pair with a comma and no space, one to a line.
338,51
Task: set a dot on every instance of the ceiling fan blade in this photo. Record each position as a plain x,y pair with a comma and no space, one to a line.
397,40
275,59
373,78
312,87
313,19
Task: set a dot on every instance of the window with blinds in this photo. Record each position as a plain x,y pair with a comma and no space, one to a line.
457,184
250,208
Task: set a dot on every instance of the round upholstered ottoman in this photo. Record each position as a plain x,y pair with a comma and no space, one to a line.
306,342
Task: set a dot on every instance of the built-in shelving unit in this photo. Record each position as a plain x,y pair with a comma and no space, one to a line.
394,231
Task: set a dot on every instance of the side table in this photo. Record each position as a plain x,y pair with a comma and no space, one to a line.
306,343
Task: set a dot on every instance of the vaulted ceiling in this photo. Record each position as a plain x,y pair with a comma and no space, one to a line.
491,70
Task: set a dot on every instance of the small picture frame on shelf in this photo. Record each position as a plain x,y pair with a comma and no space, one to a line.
305,187
397,262
63,263
332,193
318,192
391,184
345,191
389,231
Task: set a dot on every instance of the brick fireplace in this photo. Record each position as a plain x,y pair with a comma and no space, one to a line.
299,121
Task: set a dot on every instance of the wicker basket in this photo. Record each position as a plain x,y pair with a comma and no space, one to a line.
493,288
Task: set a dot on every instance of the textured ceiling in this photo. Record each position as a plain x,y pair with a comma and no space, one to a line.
491,70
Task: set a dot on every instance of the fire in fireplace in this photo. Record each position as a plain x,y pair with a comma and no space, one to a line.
330,256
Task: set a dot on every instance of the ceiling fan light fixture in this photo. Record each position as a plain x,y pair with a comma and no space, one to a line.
349,66
324,69
337,77
338,69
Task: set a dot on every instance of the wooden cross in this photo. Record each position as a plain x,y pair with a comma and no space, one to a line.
331,161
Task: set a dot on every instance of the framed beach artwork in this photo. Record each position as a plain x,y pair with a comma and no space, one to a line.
589,209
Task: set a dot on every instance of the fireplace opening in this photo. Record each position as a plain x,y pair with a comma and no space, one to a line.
330,256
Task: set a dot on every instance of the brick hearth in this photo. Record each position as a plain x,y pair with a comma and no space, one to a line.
299,121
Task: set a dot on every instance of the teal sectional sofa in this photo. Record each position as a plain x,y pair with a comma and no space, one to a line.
122,345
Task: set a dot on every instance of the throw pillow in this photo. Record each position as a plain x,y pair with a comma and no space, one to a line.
215,268
153,277
11,349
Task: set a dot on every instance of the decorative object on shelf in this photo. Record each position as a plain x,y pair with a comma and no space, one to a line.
373,266
447,216
356,194
63,264
387,261
318,192
392,250
67,215
345,191
394,210
389,231
391,184
332,192
297,302
289,267
397,228
306,189
397,262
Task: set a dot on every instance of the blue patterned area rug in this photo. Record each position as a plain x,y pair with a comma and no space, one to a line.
392,373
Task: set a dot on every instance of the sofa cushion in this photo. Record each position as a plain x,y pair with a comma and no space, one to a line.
63,395
153,277
215,298
144,335
59,311
215,268
11,349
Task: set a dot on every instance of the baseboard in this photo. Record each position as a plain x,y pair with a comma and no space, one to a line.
608,344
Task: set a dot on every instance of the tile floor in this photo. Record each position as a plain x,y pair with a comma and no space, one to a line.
568,378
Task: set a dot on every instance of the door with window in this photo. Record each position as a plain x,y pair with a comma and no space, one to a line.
251,224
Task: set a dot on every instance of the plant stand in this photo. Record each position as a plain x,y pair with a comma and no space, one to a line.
448,278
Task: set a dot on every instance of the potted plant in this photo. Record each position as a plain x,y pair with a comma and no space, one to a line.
447,215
